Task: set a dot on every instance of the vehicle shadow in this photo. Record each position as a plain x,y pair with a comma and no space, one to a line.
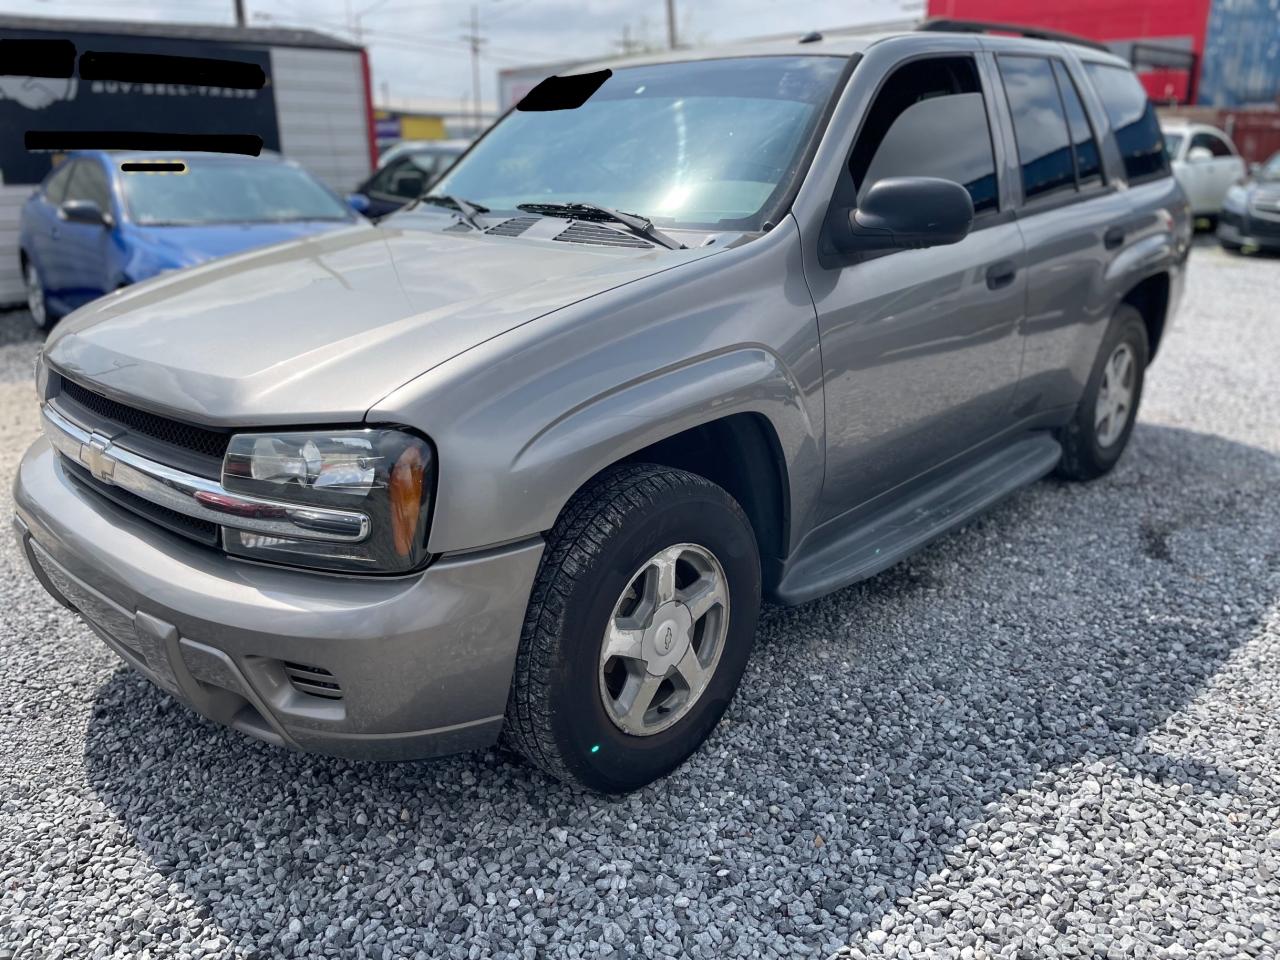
874,730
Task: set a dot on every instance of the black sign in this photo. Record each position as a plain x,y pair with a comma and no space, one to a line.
72,104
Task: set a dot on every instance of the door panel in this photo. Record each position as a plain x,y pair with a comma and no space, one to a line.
83,247
921,357
1068,299
920,348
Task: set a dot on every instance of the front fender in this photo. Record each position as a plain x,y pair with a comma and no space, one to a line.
522,421
560,458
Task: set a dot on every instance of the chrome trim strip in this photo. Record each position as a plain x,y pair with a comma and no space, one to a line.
195,496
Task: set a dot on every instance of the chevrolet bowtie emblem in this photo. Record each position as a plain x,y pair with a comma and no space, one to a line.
94,455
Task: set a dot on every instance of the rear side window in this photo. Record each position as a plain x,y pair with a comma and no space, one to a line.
929,120
1083,142
1039,126
1133,120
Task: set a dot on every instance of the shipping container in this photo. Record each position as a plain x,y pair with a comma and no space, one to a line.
1213,52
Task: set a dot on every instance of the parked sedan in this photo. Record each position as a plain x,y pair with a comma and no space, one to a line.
1251,210
403,174
1205,163
101,221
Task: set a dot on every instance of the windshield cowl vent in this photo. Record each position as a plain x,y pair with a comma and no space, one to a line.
580,231
512,227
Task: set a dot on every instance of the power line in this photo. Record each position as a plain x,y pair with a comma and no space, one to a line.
475,41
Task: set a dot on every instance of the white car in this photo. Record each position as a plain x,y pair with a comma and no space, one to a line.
1206,163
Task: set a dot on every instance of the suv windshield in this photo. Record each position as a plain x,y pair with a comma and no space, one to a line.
228,191
710,144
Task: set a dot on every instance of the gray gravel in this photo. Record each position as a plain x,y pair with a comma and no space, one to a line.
1051,734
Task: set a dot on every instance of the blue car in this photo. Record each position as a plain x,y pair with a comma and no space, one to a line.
101,221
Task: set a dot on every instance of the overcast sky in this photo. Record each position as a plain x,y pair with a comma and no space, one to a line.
416,49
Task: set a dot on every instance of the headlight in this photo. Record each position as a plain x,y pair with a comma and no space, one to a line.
1236,198
387,475
42,376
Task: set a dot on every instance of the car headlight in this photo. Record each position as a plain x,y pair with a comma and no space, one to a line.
387,475
1236,198
42,376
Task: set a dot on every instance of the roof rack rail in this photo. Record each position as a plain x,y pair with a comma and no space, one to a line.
944,25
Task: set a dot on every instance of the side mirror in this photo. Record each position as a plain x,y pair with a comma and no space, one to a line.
358,202
1199,155
84,211
906,213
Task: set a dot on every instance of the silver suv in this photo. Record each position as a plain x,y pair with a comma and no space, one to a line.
517,464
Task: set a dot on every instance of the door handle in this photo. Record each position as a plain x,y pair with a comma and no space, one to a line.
1113,238
1001,274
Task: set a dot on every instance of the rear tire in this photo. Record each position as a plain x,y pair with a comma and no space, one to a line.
604,630
1098,433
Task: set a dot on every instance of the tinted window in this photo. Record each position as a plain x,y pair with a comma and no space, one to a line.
1039,126
923,106
90,183
1213,143
56,189
406,177
1133,121
1088,162
1172,141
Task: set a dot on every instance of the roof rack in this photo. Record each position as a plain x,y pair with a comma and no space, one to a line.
943,25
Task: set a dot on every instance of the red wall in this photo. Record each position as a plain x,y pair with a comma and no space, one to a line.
1097,19
1100,20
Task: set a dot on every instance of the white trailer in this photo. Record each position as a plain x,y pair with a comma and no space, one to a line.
316,106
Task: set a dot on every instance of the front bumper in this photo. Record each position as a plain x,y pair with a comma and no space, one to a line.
1249,230
367,668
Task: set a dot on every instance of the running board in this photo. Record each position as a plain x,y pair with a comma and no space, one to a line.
884,538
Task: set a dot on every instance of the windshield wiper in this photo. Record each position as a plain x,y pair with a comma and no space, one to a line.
640,226
465,209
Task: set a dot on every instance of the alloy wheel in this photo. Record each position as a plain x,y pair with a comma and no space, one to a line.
1114,405
664,639
35,297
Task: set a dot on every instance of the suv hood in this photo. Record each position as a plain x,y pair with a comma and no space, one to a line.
319,329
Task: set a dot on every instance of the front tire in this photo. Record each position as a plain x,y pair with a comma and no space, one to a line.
1098,433
639,627
42,318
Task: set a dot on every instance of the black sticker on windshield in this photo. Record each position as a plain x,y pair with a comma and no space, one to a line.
564,93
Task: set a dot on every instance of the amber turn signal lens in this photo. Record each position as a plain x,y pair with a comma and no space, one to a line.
407,477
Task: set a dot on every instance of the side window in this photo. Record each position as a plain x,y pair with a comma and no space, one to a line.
1039,126
1213,143
55,190
923,106
1083,142
90,183
1133,120
404,178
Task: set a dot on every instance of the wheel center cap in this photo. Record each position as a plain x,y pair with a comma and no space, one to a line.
668,637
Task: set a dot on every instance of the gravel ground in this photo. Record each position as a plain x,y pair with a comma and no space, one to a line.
1051,734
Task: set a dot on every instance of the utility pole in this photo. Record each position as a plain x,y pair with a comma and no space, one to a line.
476,41
671,24
240,18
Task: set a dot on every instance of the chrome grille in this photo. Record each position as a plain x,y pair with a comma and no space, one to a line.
208,443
